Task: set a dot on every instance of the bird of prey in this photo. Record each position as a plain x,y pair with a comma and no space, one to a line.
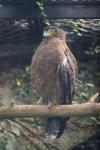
54,70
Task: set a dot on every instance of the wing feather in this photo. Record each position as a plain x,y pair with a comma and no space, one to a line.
65,82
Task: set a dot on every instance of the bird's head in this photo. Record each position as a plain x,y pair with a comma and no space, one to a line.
55,32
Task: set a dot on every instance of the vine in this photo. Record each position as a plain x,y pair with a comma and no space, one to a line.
40,5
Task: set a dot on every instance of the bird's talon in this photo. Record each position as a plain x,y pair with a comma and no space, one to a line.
51,105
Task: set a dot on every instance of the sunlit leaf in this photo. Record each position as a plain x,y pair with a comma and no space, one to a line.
90,84
15,131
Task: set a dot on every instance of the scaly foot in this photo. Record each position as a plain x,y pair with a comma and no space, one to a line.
51,104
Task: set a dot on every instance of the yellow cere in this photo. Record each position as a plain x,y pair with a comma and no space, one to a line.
48,33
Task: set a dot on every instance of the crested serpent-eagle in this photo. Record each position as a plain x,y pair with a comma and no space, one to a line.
54,70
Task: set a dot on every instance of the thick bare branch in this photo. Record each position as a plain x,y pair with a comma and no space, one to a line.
85,109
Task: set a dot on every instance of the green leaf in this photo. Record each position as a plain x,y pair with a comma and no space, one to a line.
44,15
87,52
95,120
90,84
9,146
15,131
38,3
75,30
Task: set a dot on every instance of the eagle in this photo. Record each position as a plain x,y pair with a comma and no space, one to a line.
53,74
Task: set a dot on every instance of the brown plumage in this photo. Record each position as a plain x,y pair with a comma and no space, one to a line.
54,70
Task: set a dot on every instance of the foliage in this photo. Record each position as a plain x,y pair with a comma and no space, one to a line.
98,78
96,121
84,91
21,87
84,84
8,135
86,87
40,5
94,51
76,27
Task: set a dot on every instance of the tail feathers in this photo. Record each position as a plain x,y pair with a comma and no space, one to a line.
54,127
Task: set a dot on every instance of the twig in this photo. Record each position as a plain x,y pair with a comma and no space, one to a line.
30,130
82,125
24,132
93,98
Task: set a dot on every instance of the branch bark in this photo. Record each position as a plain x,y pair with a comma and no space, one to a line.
75,110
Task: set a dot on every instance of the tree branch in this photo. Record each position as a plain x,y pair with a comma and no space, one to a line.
18,111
